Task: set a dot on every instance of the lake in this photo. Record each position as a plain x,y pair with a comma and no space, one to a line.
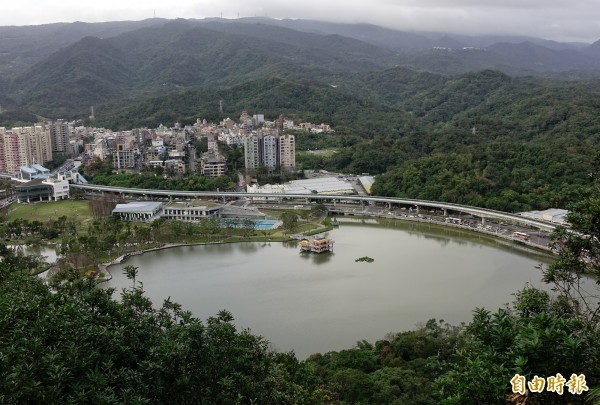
317,303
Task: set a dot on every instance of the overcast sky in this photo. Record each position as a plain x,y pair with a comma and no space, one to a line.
564,20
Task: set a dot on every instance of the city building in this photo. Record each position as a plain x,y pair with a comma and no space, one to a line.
138,211
259,119
212,165
266,189
52,188
177,166
320,185
251,152
24,146
246,121
59,136
554,215
190,211
36,171
10,156
287,152
269,151
123,157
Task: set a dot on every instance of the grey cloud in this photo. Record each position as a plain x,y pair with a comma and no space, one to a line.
552,19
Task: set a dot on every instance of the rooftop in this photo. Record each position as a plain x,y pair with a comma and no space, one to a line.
557,215
184,204
367,182
40,168
322,185
148,207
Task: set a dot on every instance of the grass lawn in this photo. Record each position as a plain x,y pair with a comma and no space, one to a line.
44,211
307,227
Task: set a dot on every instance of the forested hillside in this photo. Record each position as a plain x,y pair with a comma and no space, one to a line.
177,55
59,70
483,139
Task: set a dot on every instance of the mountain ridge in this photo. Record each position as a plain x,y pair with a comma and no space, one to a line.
161,56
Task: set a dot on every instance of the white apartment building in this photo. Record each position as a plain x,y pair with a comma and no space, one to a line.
269,151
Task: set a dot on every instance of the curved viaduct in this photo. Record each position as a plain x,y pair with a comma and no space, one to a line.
390,201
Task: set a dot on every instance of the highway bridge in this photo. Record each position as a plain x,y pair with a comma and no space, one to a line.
417,205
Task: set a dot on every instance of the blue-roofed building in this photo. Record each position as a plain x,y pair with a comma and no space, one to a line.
40,169
30,173
27,171
32,187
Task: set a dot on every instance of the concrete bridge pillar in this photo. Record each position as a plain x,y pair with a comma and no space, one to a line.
418,210
482,221
445,212
389,205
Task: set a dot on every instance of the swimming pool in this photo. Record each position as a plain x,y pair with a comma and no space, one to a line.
263,225
266,224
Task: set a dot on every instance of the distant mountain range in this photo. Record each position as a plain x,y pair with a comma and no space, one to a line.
63,69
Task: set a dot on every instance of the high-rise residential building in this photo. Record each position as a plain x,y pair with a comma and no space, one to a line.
287,152
40,143
24,146
269,151
251,152
59,133
9,156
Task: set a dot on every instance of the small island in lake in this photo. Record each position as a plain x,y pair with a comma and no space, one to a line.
319,245
365,259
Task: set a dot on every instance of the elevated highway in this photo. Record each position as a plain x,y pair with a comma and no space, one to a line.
484,214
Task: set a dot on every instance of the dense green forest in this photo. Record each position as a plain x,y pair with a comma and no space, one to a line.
481,139
60,70
71,341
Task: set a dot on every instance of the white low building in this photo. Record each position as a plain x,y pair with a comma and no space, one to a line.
554,215
320,185
190,211
266,189
138,211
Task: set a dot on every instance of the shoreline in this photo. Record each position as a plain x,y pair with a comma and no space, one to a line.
103,268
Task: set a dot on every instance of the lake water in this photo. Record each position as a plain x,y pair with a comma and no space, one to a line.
318,303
